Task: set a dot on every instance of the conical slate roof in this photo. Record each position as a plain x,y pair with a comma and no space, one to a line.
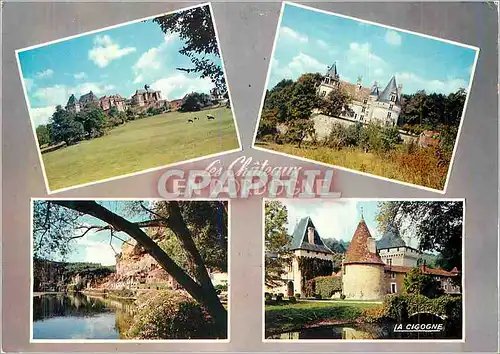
332,71
391,87
391,238
358,251
72,100
300,239
374,91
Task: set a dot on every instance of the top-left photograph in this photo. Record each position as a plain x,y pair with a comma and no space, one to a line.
130,98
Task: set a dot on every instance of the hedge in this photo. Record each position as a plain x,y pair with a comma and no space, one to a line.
400,307
325,286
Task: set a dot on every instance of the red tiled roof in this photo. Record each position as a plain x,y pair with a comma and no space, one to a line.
353,90
425,270
358,248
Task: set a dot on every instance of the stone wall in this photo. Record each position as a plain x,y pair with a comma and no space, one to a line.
363,281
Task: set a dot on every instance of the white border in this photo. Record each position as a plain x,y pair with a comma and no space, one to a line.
443,191
128,341
25,91
395,341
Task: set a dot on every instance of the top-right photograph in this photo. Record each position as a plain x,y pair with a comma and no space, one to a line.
365,97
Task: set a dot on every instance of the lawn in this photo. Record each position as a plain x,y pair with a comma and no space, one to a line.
142,144
289,317
420,168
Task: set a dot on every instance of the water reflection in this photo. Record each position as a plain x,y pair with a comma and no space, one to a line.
361,331
77,316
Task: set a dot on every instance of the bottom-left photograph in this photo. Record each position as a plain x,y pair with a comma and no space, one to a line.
129,270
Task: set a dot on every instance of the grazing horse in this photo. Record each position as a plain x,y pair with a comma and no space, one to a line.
209,116
190,121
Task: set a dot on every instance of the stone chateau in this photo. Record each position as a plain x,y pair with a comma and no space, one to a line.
367,103
140,101
370,268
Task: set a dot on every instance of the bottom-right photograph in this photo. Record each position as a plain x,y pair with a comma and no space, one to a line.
363,269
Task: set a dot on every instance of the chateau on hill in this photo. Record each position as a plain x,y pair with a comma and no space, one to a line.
367,103
141,100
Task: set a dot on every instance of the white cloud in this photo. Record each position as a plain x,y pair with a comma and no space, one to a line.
80,76
415,82
322,43
333,219
105,51
180,84
153,60
95,251
393,38
59,94
29,83
300,64
362,57
290,33
44,74
41,115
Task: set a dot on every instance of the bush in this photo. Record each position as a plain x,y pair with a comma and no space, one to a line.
297,295
325,286
221,287
400,307
374,314
292,299
279,297
342,297
317,296
167,315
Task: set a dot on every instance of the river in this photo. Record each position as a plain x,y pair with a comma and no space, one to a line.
78,316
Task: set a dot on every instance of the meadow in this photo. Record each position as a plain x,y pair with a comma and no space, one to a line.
142,144
420,168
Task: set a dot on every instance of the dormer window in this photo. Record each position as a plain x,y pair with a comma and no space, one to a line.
393,98
365,101
391,106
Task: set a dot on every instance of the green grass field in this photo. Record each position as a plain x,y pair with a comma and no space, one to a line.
142,144
419,169
288,317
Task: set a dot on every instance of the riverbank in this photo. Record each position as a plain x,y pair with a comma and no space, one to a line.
42,293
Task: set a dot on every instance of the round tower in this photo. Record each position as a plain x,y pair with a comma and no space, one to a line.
363,269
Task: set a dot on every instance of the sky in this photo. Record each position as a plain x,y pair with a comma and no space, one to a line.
310,41
337,219
94,247
115,61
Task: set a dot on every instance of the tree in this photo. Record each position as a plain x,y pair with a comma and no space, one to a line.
299,129
93,120
437,226
57,221
196,29
303,97
336,102
44,134
195,101
65,127
416,282
268,123
277,243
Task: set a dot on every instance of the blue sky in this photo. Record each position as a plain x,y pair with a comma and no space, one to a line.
94,247
115,61
338,218
310,41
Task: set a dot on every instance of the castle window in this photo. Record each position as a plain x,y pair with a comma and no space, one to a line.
365,101
393,275
323,93
361,118
393,288
393,98
388,114
363,110
391,106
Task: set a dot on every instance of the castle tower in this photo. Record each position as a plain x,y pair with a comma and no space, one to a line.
73,105
363,270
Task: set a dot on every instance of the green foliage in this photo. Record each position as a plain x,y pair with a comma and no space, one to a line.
415,282
374,314
277,243
268,123
299,129
401,307
297,295
325,286
167,315
195,28
93,120
336,102
314,267
65,127
221,287
44,134
195,101
433,109
437,225
292,299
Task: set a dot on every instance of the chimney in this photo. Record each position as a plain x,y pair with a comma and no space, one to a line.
310,234
370,242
